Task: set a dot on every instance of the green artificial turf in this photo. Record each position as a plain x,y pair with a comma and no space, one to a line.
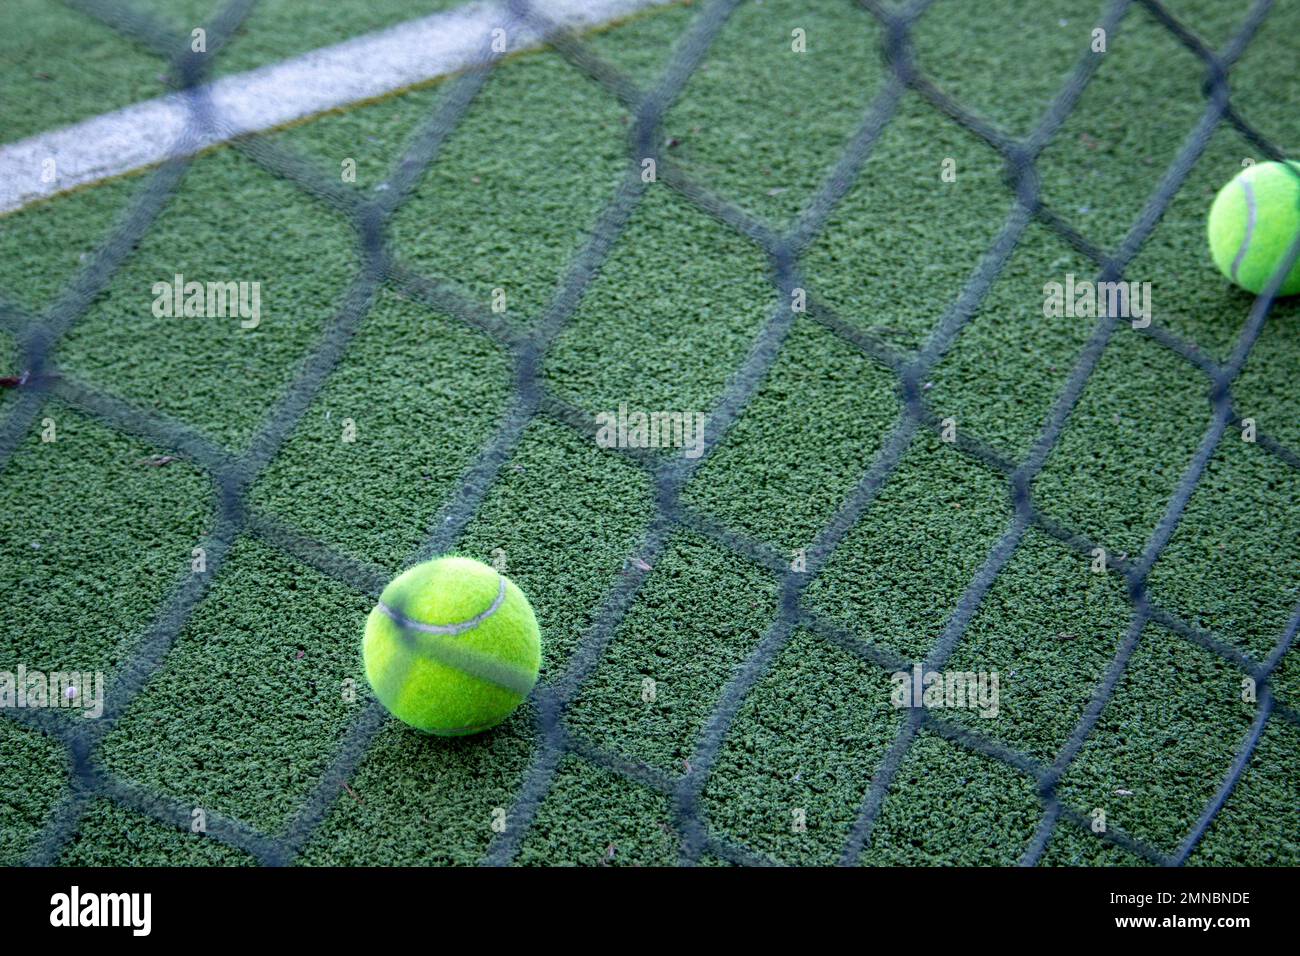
664,627
59,66
896,577
111,834
1150,743
423,800
416,425
1053,626
36,771
597,529
590,818
777,759
665,668
264,661
93,532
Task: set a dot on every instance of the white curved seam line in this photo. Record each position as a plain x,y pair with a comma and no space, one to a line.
1250,229
450,630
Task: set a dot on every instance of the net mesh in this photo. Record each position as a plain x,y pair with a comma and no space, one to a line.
233,474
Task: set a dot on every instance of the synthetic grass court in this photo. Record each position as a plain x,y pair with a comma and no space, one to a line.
769,736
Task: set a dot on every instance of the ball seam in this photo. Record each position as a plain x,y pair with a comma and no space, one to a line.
1244,249
450,630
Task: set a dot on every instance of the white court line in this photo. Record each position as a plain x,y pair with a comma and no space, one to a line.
362,68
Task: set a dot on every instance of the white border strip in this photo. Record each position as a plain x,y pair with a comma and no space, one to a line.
362,68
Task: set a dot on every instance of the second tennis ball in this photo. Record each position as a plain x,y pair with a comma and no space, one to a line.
1253,222
452,647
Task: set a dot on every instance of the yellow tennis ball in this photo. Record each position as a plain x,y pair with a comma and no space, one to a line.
1253,222
452,647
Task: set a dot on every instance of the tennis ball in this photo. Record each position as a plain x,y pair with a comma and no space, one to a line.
452,647
1253,222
